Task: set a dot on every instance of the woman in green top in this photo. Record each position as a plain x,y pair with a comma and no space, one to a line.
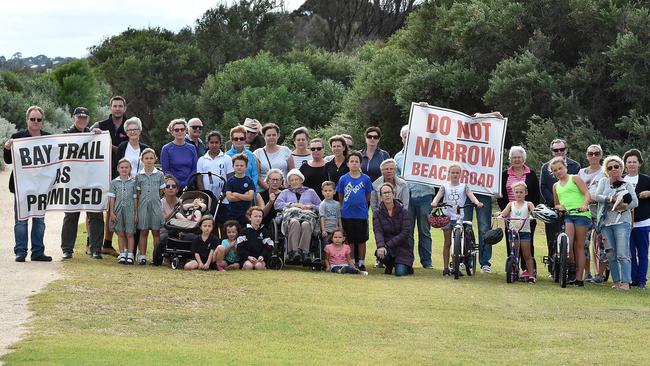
571,193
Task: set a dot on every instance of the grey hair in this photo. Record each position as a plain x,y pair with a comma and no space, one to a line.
609,159
386,162
517,148
404,130
133,121
559,141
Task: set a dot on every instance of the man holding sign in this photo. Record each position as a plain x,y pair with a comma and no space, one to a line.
35,116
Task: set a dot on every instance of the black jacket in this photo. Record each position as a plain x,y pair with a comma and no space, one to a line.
7,154
118,135
642,211
121,150
546,180
251,244
531,182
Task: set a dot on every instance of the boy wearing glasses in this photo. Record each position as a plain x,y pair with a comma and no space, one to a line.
559,148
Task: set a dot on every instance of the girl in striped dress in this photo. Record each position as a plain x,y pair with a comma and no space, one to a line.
149,183
121,205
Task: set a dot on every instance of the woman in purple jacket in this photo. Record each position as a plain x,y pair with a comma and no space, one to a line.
178,158
391,225
299,232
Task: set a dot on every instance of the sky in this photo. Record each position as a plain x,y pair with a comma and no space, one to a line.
67,28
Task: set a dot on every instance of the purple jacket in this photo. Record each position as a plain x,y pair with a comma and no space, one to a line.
393,232
288,196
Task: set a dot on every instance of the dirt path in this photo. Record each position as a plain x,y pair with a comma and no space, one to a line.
20,280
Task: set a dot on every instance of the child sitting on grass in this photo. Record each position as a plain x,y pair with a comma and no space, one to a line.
203,246
455,194
226,253
253,244
337,255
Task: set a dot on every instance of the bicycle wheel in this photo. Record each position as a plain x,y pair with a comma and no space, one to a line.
509,270
470,255
564,261
458,237
555,270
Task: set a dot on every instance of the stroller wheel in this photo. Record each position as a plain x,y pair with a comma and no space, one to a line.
275,262
175,262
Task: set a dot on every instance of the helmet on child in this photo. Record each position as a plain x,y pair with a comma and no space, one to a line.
544,213
437,218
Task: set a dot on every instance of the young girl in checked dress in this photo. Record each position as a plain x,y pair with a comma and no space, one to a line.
149,183
121,204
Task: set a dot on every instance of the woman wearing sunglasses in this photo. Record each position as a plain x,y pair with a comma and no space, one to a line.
238,138
178,158
616,199
591,175
314,170
372,155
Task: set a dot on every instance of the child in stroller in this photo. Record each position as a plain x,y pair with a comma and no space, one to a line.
193,210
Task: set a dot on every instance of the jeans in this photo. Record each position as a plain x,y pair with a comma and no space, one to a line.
20,235
95,231
484,218
401,270
617,247
419,208
344,269
639,253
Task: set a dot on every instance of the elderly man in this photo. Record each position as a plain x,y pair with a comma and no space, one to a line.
95,222
419,206
34,121
254,139
195,127
388,169
559,147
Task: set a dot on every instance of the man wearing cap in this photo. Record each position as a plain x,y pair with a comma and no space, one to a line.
114,124
195,127
34,116
254,139
95,229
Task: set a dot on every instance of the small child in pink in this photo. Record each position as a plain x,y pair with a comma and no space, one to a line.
337,256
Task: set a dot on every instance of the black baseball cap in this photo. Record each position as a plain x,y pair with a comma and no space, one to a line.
81,112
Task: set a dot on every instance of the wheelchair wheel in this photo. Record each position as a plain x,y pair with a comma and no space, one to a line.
457,255
158,254
175,262
275,263
564,262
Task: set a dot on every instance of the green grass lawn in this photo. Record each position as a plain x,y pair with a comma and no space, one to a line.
103,313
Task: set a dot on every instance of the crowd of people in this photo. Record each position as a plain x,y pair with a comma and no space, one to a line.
263,179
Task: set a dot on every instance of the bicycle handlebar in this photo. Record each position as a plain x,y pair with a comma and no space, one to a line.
209,174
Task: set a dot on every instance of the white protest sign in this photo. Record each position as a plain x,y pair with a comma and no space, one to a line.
68,172
438,137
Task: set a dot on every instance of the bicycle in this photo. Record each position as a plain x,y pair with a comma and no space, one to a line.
512,262
559,262
463,243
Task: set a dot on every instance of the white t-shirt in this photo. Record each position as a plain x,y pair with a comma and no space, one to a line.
133,155
455,196
299,160
274,160
221,165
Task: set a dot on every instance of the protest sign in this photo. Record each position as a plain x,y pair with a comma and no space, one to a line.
438,137
68,172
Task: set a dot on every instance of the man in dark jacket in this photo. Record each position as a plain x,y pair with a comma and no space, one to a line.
95,222
114,124
559,147
35,116
194,129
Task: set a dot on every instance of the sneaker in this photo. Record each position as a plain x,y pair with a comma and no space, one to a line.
597,279
20,258
427,266
532,280
446,272
462,267
616,285
525,275
362,268
588,277
142,260
363,273
97,255
579,283
129,260
121,259
641,286
624,286
42,258
634,284
486,269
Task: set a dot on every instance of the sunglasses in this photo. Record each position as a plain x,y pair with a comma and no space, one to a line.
316,148
179,129
597,153
171,186
372,137
613,167
197,128
559,150
238,138
36,119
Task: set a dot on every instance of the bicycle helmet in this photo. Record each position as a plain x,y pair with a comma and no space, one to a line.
493,236
547,215
437,218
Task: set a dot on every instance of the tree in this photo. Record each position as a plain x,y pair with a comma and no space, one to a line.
77,86
145,65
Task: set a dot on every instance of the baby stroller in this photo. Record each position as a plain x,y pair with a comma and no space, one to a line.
280,254
178,246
